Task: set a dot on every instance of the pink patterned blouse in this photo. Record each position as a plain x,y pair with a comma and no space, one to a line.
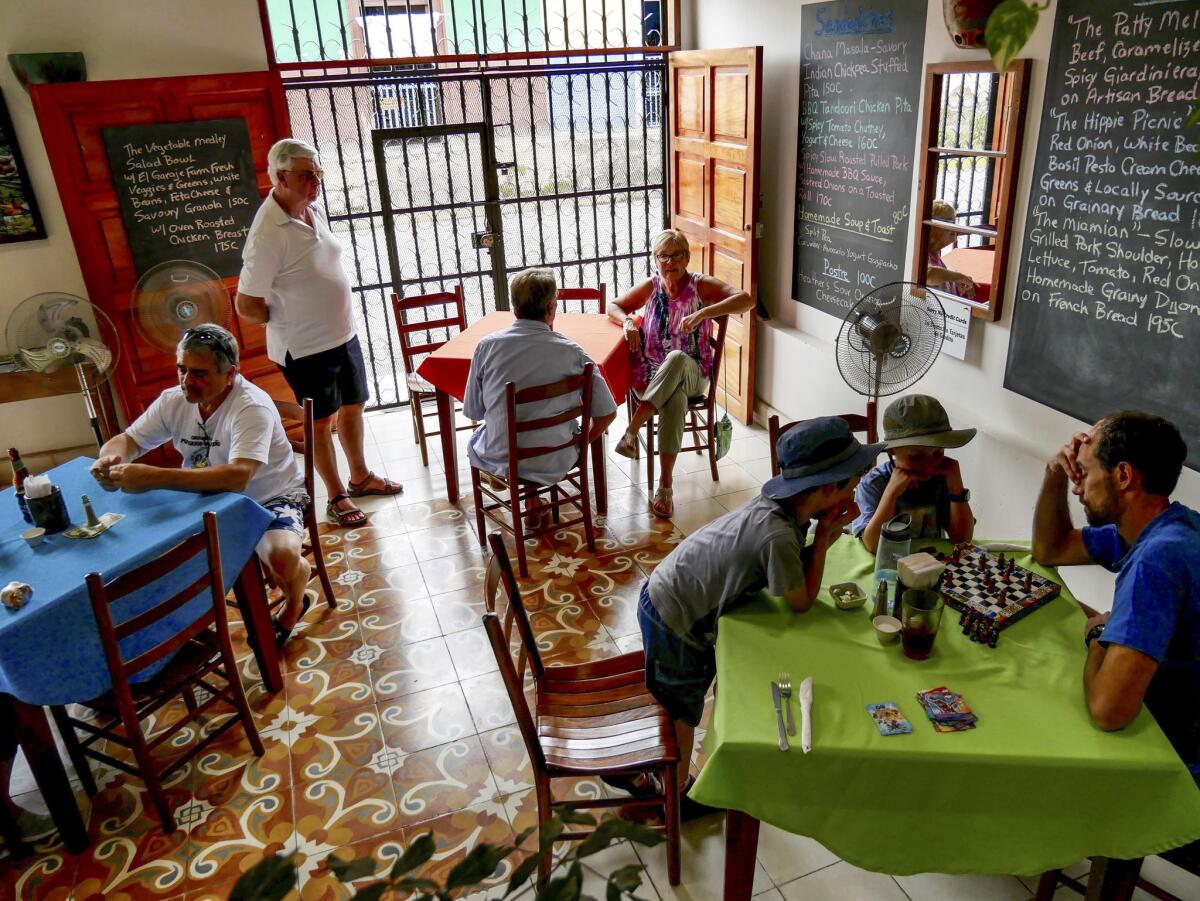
661,333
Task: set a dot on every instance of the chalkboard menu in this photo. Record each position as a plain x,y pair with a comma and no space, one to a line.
187,191
860,89
1107,312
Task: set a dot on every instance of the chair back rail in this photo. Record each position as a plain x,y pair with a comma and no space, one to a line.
289,412
775,430
516,609
454,318
581,383
583,295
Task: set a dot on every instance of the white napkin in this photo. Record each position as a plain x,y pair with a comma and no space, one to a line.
38,486
806,715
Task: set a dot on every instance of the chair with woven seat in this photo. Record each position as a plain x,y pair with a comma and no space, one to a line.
303,416
856,421
450,319
496,493
583,295
194,654
701,422
588,719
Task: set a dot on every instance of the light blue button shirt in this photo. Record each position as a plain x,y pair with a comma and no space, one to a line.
527,353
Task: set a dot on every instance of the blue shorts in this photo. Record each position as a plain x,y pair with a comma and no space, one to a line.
332,378
288,511
678,671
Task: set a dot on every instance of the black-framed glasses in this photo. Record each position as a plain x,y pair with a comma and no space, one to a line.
677,257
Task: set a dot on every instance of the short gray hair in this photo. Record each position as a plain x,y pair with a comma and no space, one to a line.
671,237
219,343
282,153
532,291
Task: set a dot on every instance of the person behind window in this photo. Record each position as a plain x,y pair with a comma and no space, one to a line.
937,275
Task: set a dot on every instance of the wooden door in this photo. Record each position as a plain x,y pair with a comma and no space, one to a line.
71,117
716,111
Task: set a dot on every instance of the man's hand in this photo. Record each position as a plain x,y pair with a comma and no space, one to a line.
133,477
100,471
835,519
1067,458
633,335
692,322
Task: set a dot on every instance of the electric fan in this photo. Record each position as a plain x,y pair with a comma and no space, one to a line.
888,340
174,296
48,332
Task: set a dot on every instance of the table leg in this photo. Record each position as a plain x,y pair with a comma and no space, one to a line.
260,633
600,476
33,732
445,413
1112,880
741,851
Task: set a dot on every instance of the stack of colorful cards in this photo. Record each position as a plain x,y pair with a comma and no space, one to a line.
946,709
889,719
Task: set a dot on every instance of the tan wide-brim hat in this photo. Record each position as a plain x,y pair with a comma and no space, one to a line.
918,420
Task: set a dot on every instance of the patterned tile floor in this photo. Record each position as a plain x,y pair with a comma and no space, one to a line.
393,720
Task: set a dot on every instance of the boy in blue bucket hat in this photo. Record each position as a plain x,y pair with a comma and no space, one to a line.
761,545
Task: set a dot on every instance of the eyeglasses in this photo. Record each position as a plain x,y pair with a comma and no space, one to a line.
314,174
677,257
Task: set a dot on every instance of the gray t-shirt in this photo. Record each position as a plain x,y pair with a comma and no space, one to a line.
751,548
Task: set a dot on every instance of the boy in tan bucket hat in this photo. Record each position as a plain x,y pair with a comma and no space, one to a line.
918,478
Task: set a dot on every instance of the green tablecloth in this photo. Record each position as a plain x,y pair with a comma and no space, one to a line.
1034,787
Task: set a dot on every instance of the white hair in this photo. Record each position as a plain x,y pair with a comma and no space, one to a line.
282,153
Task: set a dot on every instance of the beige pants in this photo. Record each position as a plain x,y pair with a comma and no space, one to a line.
677,379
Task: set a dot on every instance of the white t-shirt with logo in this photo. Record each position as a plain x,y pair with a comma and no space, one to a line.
245,427
299,271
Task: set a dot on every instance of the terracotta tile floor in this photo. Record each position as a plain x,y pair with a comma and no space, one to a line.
393,720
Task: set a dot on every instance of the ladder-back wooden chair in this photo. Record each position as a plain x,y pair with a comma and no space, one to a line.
449,315
856,421
293,413
495,493
701,422
195,654
588,719
583,295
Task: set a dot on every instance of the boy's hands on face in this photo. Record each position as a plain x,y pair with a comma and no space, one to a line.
836,518
948,469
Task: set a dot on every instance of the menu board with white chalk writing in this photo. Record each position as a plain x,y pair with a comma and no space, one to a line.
187,191
1107,305
860,89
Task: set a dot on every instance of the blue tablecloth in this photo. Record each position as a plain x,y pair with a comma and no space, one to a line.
50,649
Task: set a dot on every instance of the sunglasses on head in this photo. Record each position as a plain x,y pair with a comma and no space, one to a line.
218,343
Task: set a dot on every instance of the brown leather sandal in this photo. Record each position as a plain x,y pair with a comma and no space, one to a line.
347,519
360,489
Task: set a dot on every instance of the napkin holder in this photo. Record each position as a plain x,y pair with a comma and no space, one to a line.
49,512
920,570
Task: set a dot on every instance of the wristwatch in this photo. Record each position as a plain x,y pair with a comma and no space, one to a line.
1092,634
961,498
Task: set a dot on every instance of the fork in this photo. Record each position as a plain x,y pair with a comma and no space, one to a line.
785,692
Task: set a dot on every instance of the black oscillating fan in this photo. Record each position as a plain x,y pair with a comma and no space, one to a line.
888,340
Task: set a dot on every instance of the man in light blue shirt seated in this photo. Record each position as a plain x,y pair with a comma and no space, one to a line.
530,353
1148,648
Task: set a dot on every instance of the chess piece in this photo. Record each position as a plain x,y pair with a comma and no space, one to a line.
1002,561
1003,596
1028,583
92,519
993,637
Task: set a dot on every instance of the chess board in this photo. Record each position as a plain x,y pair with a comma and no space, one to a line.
964,586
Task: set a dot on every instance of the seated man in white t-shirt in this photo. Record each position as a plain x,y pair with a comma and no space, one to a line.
231,439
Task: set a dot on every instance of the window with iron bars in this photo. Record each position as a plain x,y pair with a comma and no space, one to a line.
969,121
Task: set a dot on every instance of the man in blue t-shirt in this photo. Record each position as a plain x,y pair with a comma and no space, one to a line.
1148,648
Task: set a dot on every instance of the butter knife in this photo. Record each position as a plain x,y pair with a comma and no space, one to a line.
806,696
783,742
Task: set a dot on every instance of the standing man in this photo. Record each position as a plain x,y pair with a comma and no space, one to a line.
292,279
1148,648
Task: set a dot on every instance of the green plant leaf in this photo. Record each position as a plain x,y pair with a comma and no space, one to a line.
478,865
576,817
551,830
627,878
1008,29
524,834
565,888
635,832
521,874
372,892
612,893
268,880
601,838
418,852
1194,118
413,884
349,870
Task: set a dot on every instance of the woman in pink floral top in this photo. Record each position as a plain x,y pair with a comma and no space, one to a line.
672,349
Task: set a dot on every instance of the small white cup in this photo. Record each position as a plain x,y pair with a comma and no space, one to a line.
33,537
887,629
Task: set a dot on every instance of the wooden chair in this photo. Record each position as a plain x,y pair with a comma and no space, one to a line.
294,413
702,419
589,719
420,392
200,650
856,421
508,493
583,295
1120,877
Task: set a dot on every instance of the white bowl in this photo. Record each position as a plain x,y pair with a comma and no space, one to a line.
859,596
33,537
887,629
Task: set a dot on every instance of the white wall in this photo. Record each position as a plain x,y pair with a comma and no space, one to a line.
119,39
797,374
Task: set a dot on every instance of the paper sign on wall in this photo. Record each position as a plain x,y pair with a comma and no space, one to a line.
958,326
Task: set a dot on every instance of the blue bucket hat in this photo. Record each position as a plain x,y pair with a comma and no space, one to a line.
816,452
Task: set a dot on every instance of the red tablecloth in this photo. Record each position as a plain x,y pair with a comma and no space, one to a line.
447,367
975,262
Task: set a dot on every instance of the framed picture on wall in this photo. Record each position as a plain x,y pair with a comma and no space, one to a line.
20,219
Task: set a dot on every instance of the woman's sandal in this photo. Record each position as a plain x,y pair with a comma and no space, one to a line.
639,785
347,519
662,504
360,489
282,634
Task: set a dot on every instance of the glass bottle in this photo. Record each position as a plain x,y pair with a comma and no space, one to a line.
19,475
895,541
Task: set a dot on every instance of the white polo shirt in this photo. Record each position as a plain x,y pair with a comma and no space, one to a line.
245,427
299,271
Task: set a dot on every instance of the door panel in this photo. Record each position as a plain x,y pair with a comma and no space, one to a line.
716,115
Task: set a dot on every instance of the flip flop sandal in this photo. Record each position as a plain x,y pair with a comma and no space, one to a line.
358,489
662,504
282,634
347,519
627,446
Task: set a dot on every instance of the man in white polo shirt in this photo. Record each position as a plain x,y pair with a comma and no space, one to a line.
292,279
